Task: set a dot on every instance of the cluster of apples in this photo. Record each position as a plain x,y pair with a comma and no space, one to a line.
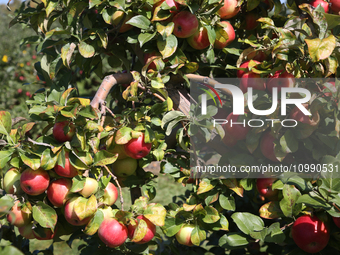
114,233
279,80
186,24
310,233
249,79
334,4
128,154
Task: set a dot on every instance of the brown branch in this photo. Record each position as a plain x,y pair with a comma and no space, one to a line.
119,187
209,81
108,82
159,97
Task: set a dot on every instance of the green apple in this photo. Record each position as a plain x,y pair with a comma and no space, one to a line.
183,236
90,187
124,167
12,181
107,211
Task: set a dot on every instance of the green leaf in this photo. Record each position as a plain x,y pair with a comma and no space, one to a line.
86,50
271,210
5,156
198,235
84,208
248,222
10,250
233,240
227,202
251,5
48,160
212,215
45,215
287,204
66,53
5,122
123,135
139,21
313,201
92,227
275,234
78,183
31,161
171,116
321,49
172,226
205,186
168,46
156,214
103,158
288,142
144,38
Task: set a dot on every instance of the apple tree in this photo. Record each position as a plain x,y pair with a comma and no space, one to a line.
66,185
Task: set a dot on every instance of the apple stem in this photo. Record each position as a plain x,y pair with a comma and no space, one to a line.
119,187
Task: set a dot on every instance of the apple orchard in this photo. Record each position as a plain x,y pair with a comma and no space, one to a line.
64,184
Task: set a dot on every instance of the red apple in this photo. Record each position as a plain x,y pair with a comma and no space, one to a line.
336,221
245,65
252,80
237,131
117,17
264,187
48,234
323,3
150,232
251,21
110,195
267,147
299,116
136,148
68,170
147,56
18,217
90,187
59,131
280,80
58,190
125,167
229,9
310,233
183,236
27,231
112,232
200,39
70,214
186,24
12,181
335,6
34,182
225,35
228,139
